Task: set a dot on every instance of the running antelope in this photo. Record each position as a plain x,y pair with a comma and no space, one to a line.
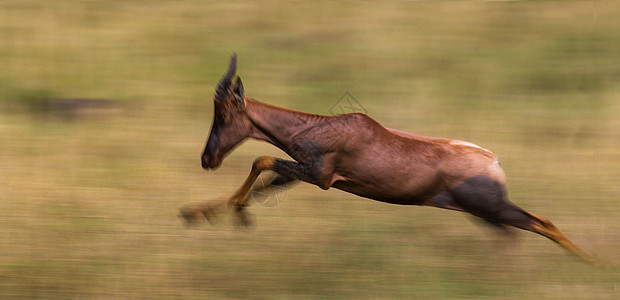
356,154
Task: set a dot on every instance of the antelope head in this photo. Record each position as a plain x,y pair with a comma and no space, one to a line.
231,125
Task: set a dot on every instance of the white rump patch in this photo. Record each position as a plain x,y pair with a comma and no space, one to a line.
468,144
464,143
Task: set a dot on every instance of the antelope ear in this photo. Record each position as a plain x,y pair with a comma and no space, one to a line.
239,94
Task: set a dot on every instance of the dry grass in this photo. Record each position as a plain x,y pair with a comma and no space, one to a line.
88,205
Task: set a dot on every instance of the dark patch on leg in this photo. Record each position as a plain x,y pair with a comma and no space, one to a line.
443,200
281,181
503,230
272,181
485,198
273,185
292,169
307,166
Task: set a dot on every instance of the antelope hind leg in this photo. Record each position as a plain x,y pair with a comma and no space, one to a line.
485,198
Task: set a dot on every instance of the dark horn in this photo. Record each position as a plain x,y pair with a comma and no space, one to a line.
221,92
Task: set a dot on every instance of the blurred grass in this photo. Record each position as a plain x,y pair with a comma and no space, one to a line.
88,205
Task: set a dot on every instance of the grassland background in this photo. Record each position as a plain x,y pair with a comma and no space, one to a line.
88,205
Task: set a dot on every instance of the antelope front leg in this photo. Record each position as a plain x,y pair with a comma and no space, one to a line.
288,171
238,201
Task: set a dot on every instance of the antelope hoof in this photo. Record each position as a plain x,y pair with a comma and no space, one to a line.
242,217
189,215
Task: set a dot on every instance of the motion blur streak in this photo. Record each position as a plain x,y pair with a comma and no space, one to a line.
104,108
